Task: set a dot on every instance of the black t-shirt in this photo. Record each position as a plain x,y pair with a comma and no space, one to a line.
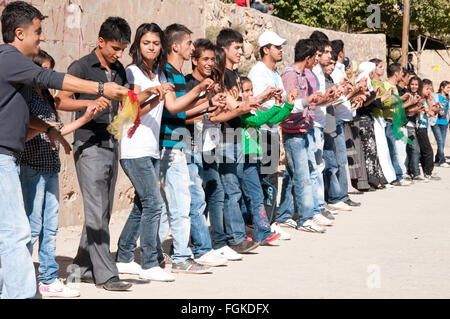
191,82
234,87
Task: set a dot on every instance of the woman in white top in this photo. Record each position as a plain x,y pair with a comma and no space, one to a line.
140,158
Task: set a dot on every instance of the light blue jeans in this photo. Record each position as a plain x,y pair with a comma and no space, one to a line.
175,181
201,240
41,199
17,278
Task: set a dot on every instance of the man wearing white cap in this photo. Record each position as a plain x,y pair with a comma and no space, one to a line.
263,75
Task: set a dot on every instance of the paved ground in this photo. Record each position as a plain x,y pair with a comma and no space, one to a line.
396,245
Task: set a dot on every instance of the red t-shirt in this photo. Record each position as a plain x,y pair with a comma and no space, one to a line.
241,3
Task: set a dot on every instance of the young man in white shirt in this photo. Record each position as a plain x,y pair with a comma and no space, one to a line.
263,75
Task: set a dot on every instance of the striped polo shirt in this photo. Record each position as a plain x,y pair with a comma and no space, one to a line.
173,127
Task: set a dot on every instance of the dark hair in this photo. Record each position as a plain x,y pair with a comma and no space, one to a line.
227,36
337,45
410,55
15,15
135,49
175,33
347,62
245,79
376,61
393,68
321,44
39,59
115,29
404,72
416,78
42,56
318,35
261,50
427,82
304,48
442,86
334,56
412,73
201,45
220,58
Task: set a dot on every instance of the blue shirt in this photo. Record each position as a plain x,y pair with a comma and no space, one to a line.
423,117
173,126
442,119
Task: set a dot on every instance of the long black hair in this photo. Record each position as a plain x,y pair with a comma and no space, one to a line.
135,49
39,59
219,66
442,86
419,90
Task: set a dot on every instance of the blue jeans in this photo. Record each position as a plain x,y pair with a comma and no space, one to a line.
335,173
201,240
298,177
260,7
175,183
440,133
41,199
146,213
391,139
215,197
231,171
317,165
17,278
252,188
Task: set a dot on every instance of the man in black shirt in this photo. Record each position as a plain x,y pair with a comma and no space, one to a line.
22,33
96,153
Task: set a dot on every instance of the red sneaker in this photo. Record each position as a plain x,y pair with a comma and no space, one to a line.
271,238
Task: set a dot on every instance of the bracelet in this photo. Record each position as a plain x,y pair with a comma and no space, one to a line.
101,88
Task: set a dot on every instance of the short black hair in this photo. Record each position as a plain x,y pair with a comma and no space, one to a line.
393,68
427,82
261,50
319,35
245,79
304,48
115,29
15,15
375,60
202,45
321,44
175,33
337,45
404,72
227,36
334,56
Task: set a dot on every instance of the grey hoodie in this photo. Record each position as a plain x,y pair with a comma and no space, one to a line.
18,75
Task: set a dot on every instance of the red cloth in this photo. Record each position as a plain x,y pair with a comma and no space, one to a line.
241,3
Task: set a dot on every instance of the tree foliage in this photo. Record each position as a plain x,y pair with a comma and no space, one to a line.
430,17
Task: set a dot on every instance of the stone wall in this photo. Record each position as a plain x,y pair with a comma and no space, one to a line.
72,27
434,65
251,23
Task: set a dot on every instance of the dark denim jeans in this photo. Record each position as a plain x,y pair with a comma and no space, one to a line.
146,212
440,133
412,153
253,192
335,173
231,172
391,139
215,196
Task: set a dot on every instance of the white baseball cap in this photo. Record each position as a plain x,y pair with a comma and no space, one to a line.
270,37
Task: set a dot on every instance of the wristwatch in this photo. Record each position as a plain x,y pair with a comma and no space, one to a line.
101,88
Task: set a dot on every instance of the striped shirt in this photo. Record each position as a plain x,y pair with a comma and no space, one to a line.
173,126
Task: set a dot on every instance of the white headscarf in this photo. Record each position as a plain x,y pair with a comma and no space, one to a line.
365,68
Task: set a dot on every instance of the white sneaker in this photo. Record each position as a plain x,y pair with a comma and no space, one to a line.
312,227
333,211
289,223
228,253
211,259
321,220
444,165
156,274
340,206
57,289
275,228
389,185
132,268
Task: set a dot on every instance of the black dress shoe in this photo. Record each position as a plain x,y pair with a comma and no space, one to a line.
349,202
356,193
87,279
115,284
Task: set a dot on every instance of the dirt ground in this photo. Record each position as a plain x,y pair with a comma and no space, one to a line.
396,245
